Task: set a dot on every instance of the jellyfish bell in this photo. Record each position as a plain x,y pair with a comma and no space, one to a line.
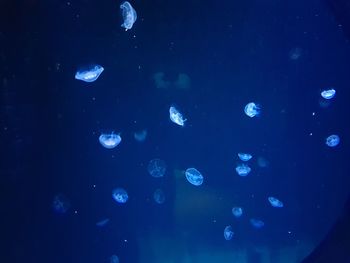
89,73
110,140
176,116
252,109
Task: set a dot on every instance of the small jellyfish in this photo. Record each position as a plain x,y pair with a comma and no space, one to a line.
252,109
244,156
262,162
257,223
90,74
194,176
333,140
120,195
275,202
159,196
60,204
129,15
156,167
237,211
109,140
295,53
176,116
114,259
102,222
328,94
243,169
228,233
140,136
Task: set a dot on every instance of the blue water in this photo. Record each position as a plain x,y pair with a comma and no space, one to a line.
207,59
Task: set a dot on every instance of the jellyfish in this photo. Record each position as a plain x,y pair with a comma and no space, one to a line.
194,176
228,233
60,204
156,167
257,223
114,259
244,156
159,196
252,109
295,53
176,116
120,195
243,169
90,74
275,202
102,222
129,15
332,140
140,136
237,211
110,140
328,94
183,81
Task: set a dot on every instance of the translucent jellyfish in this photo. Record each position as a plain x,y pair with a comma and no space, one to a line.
237,211
160,82
328,94
176,116
109,140
114,259
252,109
120,195
275,202
257,223
333,140
60,204
159,196
262,162
245,156
228,233
156,167
140,136
243,169
295,53
90,74
129,15
183,81
194,176
102,222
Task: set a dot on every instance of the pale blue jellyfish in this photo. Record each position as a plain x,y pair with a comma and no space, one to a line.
114,259
109,140
60,204
102,222
140,136
176,116
159,196
120,195
129,15
90,74
156,167
228,233
194,176
252,109
257,223
333,140
328,94
275,202
244,156
243,169
237,211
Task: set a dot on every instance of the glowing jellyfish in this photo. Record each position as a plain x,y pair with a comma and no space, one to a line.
110,140
120,195
102,222
159,196
275,202
244,156
90,74
114,259
295,53
243,169
156,167
237,211
228,233
60,204
129,15
140,136
176,116
328,94
252,109
257,223
333,140
194,176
